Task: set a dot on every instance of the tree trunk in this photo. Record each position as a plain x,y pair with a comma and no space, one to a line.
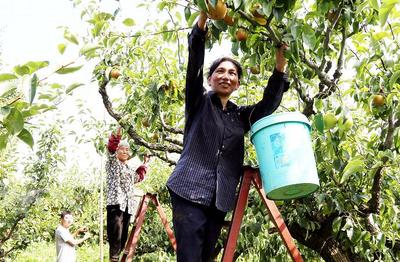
323,242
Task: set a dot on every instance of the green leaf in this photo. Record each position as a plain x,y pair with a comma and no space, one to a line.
350,233
202,5
336,225
6,77
72,87
309,36
267,7
34,84
9,92
237,4
21,70
26,136
70,37
220,24
36,65
68,70
5,110
279,13
374,4
385,9
14,122
382,240
192,18
88,50
319,123
353,166
129,22
3,141
235,48
187,12
30,112
393,79
112,40
61,48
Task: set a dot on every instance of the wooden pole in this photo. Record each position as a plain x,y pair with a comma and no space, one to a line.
101,233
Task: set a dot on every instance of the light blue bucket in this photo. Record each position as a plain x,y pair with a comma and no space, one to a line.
285,155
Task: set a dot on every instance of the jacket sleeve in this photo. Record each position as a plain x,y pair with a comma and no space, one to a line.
113,142
141,172
272,97
194,89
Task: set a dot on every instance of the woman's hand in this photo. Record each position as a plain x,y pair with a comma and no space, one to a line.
202,21
281,61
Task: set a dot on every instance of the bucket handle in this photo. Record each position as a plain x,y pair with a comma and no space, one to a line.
251,113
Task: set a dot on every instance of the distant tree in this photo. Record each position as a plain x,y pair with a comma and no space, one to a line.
19,195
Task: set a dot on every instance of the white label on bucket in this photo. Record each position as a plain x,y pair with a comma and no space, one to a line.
278,141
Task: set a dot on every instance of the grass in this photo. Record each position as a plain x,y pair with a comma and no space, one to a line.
89,252
46,252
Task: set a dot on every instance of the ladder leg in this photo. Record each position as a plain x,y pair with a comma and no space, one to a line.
280,225
241,202
134,236
164,221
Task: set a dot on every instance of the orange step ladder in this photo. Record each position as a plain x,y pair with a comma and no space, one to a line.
130,246
249,178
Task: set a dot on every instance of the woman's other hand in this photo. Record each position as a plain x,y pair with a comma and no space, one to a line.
280,58
202,21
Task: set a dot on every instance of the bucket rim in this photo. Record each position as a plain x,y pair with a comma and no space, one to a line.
276,119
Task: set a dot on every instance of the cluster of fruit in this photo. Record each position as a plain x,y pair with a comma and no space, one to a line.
220,12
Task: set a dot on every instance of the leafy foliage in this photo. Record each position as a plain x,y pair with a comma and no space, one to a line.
20,195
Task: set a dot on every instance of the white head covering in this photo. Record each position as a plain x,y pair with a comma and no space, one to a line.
123,143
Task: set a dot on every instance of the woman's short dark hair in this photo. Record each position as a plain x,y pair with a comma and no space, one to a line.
64,213
218,61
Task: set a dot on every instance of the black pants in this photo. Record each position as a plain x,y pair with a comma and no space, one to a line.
117,230
197,228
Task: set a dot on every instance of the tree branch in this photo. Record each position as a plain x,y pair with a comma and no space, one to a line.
129,128
15,100
171,129
174,141
323,77
272,34
12,229
155,33
321,241
177,38
390,133
164,158
374,204
328,35
309,103
338,71
10,250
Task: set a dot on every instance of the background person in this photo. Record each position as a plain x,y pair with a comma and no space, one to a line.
65,241
121,201
204,181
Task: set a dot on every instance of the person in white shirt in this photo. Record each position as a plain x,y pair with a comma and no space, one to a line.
65,241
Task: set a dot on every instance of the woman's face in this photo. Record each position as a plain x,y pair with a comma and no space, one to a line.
225,79
123,153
